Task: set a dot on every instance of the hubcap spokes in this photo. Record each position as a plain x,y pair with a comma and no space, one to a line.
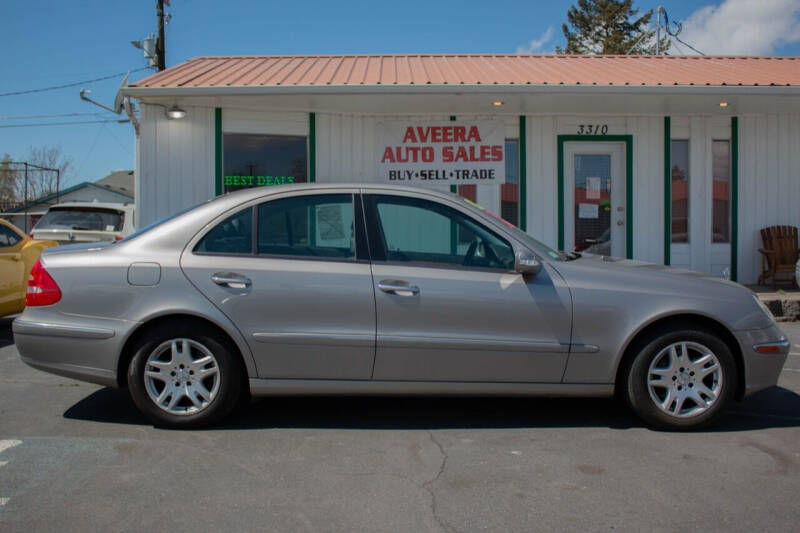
684,379
181,376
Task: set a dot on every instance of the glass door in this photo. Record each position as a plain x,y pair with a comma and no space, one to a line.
595,198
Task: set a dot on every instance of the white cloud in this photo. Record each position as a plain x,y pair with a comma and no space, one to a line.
741,27
536,46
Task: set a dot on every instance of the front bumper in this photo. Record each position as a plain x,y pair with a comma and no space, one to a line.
762,370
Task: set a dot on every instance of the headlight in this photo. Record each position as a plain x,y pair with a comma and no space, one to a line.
763,307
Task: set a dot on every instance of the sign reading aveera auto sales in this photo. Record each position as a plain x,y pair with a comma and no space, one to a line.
442,153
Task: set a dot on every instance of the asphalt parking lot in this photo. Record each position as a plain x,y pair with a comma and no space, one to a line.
79,457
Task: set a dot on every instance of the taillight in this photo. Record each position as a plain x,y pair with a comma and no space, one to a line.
118,237
42,289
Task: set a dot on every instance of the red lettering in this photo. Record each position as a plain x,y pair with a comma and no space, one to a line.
461,154
436,134
447,134
427,154
402,158
447,154
458,134
409,136
424,134
473,134
388,155
486,151
497,153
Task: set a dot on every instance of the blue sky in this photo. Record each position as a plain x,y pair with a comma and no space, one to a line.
53,43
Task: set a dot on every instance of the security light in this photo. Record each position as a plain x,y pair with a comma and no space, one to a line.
723,104
175,113
498,103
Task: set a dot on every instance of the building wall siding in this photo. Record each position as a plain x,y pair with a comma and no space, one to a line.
769,182
175,167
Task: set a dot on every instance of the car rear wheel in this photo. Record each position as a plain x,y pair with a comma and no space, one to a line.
681,379
181,378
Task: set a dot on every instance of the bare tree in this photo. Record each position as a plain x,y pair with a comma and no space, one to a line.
44,182
8,184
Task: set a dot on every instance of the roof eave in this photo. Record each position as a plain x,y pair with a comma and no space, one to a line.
144,92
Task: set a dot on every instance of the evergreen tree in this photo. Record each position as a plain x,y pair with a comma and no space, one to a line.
609,27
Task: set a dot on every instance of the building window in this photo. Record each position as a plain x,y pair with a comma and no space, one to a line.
721,171
509,191
679,164
262,160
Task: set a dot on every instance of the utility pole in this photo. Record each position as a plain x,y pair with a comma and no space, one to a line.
160,44
658,30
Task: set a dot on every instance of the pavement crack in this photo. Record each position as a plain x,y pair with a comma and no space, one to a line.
428,485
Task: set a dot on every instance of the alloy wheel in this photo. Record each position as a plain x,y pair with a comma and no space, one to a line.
685,379
182,376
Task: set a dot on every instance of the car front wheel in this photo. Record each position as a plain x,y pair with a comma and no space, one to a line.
181,378
681,379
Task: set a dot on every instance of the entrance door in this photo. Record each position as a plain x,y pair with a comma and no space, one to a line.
594,197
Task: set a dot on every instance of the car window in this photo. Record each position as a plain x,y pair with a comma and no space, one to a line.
234,235
425,232
319,225
8,237
83,218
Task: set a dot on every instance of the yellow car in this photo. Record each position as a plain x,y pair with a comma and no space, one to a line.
18,254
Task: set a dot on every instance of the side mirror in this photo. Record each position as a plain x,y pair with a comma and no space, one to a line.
526,263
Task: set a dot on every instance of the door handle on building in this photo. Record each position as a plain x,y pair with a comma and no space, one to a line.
398,287
231,279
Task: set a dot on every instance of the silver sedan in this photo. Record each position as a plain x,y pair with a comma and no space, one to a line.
337,289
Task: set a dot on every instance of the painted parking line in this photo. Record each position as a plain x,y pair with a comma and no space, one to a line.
5,445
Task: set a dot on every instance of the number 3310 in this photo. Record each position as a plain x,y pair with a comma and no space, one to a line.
592,129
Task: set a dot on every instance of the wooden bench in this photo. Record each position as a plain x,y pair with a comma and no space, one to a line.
779,254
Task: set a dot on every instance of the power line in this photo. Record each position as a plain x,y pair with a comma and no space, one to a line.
673,30
64,123
67,85
57,115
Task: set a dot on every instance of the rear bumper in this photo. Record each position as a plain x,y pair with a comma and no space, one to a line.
74,351
762,370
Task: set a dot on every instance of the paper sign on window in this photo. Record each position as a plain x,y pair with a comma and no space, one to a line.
588,211
593,188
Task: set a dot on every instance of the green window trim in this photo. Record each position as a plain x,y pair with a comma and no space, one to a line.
218,151
667,190
312,147
628,140
734,198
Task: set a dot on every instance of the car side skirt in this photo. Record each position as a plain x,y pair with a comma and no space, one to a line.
294,387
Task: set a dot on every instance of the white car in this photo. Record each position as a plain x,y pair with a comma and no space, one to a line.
79,222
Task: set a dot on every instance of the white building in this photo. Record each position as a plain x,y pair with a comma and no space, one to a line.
676,160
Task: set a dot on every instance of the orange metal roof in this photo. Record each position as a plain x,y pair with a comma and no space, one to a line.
388,70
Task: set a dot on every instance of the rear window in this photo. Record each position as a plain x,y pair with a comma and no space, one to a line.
82,218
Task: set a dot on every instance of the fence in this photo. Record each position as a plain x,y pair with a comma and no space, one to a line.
22,183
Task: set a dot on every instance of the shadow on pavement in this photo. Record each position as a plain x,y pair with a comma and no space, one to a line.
775,407
6,336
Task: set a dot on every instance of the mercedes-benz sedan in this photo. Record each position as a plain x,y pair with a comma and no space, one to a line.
336,289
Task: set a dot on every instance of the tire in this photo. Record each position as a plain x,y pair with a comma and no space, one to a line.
183,391
681,379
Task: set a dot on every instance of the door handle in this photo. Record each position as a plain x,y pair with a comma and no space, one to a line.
231,279
400,288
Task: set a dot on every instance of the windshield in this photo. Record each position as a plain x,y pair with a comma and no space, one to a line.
82,218
521,235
